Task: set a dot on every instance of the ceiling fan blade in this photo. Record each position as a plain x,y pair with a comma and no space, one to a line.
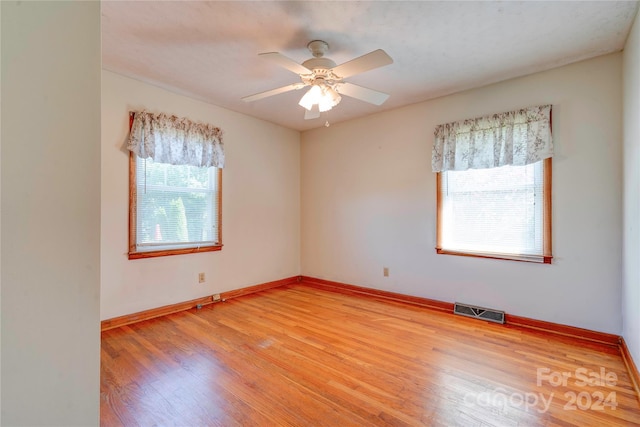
272,92
362,93
285,62
375,59
314,113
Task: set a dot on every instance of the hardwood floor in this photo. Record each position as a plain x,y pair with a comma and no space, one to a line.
303,356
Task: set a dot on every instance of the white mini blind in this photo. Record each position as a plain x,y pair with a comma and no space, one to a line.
497,210
177,206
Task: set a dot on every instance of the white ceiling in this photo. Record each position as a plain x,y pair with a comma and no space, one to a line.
209,50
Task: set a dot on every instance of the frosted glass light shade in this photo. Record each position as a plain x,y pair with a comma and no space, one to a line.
325,96
312,97
330,99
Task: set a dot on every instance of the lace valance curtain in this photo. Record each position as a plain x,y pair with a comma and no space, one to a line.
517,137
176,141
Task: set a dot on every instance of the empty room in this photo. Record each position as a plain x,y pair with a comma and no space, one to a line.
320,213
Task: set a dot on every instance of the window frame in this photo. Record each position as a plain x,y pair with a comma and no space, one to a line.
546,256
133,216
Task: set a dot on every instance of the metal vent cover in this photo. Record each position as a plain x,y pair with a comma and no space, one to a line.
479,312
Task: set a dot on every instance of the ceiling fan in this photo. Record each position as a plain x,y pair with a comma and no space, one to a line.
326,79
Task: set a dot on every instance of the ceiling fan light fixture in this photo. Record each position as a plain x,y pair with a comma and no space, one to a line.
333,95
330,98
326,79
311,98
325,97
324,105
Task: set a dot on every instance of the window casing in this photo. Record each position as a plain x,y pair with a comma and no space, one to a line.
502,213
173,209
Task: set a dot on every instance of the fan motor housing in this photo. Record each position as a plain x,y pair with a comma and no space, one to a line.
319,64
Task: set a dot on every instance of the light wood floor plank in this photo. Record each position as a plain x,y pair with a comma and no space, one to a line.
303,356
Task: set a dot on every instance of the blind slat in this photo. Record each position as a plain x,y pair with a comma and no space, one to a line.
176,205
497,210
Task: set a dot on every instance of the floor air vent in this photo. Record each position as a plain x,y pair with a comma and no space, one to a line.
479,312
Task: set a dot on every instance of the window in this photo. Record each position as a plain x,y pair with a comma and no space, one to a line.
175,186
176,208
502,212
494,185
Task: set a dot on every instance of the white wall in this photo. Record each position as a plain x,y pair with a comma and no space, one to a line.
368,201
260,205
631,271
50,213
0,219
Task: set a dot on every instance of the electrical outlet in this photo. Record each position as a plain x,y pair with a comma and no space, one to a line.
201,278
216,297
385,271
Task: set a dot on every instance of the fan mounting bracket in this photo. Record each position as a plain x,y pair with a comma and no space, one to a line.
318,48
